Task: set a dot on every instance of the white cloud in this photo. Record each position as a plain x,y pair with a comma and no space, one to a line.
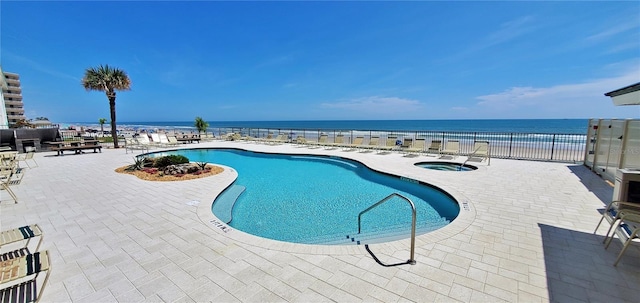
37,66
511,29
594,90
376,104
613,31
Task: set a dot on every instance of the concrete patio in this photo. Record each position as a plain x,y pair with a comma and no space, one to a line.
525,234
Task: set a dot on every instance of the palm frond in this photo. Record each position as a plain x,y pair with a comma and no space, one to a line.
105,78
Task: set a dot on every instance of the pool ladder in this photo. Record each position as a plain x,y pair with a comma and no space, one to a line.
411,260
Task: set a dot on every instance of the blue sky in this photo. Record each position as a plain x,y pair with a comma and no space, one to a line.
239,61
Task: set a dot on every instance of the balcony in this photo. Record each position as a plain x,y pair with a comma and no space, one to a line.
15,111
13,103
14,87
16,97
9,75
12,82
15,118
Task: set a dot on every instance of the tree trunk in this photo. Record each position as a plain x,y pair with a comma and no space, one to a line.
112,107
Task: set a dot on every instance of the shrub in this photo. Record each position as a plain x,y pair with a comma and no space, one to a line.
202,165
138,164
165,161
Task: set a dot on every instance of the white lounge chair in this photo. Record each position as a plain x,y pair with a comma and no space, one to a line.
451,149
321,141
435,147
338,141
480,152
374,142
389,146
416,148
164,140
357,143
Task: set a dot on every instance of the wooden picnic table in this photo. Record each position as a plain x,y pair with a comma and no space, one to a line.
77,146
188,139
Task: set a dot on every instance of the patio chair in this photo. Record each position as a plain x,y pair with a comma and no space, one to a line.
338,141
131,144
451,149
173,140
26,157
480,152
281,138
164,140
416,148
155,139
406,144
389,146
374,141
300,141
19,277
435,147
27,234
6,174
322,140
8,159
625,225
357,143
143,139
263,139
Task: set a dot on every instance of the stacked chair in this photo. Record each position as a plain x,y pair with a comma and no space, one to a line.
23,272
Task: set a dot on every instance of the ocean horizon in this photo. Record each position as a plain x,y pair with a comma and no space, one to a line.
540,126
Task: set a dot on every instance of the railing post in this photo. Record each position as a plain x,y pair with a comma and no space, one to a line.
553,145
510,144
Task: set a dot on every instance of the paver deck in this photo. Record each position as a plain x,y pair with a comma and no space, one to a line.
526,234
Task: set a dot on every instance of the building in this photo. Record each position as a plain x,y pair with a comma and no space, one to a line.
628,95
12,108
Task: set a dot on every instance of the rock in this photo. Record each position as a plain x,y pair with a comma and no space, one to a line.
180,169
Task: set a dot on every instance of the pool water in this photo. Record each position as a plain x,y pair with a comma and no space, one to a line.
313,199
446,166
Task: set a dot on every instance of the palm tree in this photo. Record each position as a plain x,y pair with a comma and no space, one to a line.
102,121
107,79
201,125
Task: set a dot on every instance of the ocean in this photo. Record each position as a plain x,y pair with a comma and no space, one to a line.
537,126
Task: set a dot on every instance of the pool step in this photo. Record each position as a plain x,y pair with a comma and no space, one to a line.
223,205
375,236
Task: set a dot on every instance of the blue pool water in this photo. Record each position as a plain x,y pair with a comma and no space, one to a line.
312,199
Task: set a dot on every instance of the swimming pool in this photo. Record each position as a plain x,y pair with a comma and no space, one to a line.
316,199
446,166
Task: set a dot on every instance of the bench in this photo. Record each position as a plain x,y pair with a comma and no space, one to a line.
77,148
188,140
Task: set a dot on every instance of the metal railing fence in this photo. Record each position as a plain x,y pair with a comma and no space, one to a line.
525,146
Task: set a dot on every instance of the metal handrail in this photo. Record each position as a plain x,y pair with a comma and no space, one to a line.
413,222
